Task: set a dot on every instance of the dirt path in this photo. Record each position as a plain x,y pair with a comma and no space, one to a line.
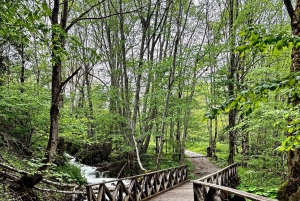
184,192
202,165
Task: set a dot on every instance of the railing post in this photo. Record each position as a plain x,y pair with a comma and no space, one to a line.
90,193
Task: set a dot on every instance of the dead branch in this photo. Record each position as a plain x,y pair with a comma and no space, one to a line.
13,169
12,176
59,184
122,170
60,191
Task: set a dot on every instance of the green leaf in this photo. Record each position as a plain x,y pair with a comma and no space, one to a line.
291,129
242,33
279,45
46,9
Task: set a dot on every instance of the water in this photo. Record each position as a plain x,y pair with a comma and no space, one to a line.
93,176
89,172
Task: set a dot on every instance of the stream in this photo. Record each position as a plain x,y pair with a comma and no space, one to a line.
90,173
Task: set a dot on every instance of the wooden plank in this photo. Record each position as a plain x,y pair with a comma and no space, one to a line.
180,192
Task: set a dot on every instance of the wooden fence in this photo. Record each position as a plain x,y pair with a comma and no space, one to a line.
220,185
139,187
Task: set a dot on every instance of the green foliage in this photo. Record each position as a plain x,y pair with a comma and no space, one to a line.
23,114
68,174
258,38
166,162
266,192
27,19
73,127
259,182
293,129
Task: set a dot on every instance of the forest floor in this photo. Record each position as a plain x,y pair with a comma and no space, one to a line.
202,165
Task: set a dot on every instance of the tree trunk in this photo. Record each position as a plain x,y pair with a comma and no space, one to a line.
290,190
90,116
245,144
127,112
22,67
214,142
58,42
168,95
231,78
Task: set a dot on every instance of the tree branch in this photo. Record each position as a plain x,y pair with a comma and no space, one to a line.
68,79
80,17
289,8
98,18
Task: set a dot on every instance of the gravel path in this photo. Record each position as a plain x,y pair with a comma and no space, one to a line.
202,165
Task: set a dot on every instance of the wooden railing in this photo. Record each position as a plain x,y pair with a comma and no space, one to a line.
139,187
220,186
217,190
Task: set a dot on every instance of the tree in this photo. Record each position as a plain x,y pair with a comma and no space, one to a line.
233,7
290,190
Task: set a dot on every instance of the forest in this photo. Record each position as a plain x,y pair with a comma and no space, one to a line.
129,85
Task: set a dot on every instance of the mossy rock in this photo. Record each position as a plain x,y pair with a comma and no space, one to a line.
95,154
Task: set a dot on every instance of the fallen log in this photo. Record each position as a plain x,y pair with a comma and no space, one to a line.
60,191
58,184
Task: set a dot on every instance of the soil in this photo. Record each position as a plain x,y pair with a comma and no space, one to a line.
202,165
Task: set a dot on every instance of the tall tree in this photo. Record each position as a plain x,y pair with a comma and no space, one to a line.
231,78
290,190
59,35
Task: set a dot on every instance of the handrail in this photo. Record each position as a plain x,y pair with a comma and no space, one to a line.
224,177
139,187
220,185
233,167
254,197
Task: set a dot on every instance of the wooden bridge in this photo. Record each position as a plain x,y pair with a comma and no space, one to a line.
173,184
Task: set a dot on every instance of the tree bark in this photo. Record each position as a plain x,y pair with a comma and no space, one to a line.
231,78
22,67
56,82
58,44
290,190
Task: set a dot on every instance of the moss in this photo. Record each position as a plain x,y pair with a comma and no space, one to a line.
282,192
295,196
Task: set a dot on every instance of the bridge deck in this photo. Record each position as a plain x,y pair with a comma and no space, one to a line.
183,192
